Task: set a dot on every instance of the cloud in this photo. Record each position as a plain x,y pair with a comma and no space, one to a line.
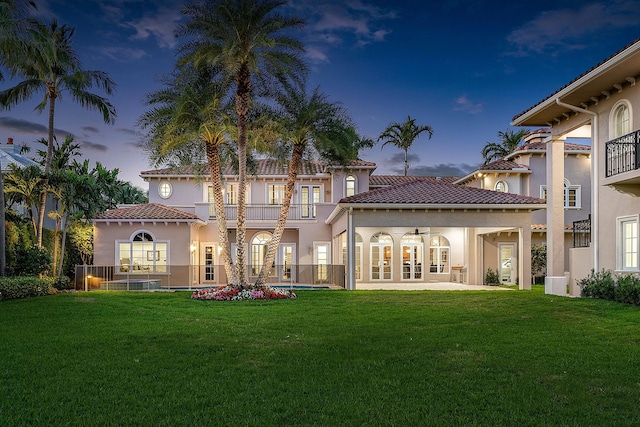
27,127
90,129
463,103
122,54
92,146
442,169
160,25
568,29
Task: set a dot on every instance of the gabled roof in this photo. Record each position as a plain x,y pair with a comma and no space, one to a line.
385,180
421,192
147,212
10,154
586,90
263,167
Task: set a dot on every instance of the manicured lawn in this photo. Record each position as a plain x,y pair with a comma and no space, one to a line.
328,358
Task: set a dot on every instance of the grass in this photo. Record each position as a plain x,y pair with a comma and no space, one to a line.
328,358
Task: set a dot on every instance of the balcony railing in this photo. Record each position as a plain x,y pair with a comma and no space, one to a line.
267,212
622,154
582,233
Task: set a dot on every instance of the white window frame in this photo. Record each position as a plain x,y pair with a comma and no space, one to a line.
207,196
613,119
439,250
506,187
279,197
165,185
381,266
257,262
568,188
145,265
308,208
627,245
348,179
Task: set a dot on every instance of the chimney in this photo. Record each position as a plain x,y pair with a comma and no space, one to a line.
9,141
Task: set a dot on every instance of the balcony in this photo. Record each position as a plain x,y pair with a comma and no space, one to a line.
266,212
622,160
582,233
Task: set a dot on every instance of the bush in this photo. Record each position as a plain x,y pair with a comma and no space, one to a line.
604,285
491,277
24,287
61,283
33,261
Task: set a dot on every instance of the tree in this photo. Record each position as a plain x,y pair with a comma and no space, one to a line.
402,135
509,142
309,121
248,40
23,186
49,64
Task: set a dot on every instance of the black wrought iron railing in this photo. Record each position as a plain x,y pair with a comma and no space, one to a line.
582,233
622,154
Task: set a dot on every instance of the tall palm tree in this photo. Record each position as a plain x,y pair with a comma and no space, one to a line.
192,109
249,41
310,122
50,65
509,142
402,135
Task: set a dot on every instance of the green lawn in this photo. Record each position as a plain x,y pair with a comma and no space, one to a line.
328,358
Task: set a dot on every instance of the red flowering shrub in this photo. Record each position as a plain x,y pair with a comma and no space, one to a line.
231,293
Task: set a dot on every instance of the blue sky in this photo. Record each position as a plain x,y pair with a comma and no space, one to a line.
464,68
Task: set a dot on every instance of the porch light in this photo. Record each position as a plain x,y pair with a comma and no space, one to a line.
193,247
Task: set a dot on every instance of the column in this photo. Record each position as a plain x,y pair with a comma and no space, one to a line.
555,282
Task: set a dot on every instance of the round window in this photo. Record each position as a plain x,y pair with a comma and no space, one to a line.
164,190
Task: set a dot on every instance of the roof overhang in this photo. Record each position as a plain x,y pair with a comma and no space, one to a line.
621,69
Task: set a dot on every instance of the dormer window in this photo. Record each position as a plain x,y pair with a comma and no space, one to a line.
501,187
350,186
165,190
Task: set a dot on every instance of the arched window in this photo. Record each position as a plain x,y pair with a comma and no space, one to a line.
259,245
164,189
412,256
381,256
142,254
439,251
349,185
501,187
358,265
620,119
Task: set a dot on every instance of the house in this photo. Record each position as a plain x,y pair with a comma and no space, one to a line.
525,172
602,104
346,227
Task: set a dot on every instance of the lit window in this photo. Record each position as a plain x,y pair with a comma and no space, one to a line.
142,254
259,246
439,254
627,243
275,194
621,120
164,189
381,246
501,187
350,185
571,195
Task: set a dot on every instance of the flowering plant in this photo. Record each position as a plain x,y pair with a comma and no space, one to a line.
232,293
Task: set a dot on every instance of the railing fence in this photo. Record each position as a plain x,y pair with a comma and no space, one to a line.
622,154
582,233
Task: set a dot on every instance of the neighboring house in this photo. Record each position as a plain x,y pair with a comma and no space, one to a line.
525,172
339,231
10,155
602,104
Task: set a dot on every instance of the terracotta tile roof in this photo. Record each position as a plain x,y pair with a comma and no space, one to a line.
263,167
542,146
385,180
439,193
503,165
543,227
576,79
149,211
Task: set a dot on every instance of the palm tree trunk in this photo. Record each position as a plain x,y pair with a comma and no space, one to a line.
64,244
274,243
47,169
213,158
242,108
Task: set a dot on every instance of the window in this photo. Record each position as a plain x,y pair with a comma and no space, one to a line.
142,254
231,194
412,250
381,258
350,185
164,189
275,194
259,246
229,197
572,198
358,254
621,120
627,240
439,254
501,187
309,197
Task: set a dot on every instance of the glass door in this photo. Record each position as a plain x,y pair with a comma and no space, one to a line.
287,257
507,262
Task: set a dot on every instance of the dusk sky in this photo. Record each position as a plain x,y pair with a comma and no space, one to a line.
463,67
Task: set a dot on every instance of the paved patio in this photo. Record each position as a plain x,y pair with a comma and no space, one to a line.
438,286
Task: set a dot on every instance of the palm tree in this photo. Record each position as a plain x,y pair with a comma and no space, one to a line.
509,142
402,135
50,65
248,40
309,122
23,185
188,112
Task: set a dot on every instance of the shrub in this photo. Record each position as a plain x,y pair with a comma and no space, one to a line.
60,283
604,285
627,289
24,287
491,277
231,293
33,261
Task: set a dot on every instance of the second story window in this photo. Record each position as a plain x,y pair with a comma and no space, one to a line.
164,189
501,187
275,194
571,195
231,194
622,124
350,185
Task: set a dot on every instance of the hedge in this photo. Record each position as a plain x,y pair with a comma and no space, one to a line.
25,287
605,285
